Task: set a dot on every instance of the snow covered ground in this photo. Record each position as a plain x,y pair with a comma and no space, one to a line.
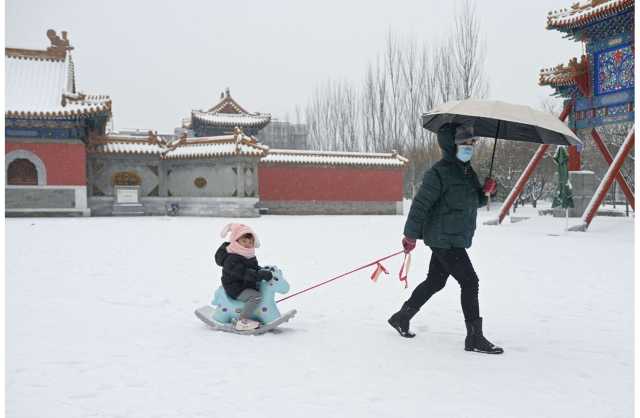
99,323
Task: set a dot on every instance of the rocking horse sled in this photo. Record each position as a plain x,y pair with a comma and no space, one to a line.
224,311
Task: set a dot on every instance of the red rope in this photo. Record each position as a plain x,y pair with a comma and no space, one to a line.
342,275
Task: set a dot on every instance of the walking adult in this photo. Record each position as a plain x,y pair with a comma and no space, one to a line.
443,215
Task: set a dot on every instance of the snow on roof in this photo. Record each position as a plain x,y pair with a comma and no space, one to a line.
232,119
227,103
182,148
127,144
284,156
213,149
139,147
586,12
236,144
556,77
41,84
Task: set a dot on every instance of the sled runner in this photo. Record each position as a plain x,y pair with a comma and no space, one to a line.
206,315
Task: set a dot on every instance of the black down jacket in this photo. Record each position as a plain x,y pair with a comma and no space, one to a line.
443,212
238,273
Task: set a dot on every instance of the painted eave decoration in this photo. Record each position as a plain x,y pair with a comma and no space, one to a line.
556,76
586,12
564,75
333,158
40,84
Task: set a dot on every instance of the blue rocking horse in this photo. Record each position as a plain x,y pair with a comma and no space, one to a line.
223,309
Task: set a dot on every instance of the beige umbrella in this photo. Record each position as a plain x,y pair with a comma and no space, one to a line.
495,119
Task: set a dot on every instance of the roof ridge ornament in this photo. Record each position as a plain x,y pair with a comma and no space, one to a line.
57,51
59,46
153,138
227,104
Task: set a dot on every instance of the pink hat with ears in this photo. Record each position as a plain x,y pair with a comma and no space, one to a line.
235,231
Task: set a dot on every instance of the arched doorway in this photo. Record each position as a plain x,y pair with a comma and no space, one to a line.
22,172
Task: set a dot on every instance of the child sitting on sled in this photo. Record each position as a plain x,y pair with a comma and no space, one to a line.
241,274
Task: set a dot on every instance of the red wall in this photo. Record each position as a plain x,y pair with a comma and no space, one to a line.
65,163
287,182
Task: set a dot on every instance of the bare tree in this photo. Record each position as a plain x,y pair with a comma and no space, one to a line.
369,110
393,59
469,53
408,78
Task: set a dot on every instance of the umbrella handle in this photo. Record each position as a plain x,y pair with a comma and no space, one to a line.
493,155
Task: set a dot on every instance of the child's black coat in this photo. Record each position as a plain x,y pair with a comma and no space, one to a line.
238,273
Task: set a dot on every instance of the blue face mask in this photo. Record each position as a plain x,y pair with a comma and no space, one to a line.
464,153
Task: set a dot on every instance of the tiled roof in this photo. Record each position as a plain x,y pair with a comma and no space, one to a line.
586,12
228,113
227,105
574,73
215,148
41,85
127,144
133,147
284,156
234,145
556,77
182,148
231,119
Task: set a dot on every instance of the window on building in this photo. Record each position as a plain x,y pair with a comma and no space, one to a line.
22,172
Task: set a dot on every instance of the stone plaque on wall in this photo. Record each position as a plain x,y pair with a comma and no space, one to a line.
127,201
126,194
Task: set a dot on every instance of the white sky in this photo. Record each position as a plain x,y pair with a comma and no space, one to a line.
160,59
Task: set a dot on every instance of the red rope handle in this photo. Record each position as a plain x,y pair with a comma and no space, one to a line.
340,276
404,269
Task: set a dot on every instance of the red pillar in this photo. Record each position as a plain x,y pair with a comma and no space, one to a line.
574,158
607,180
628,193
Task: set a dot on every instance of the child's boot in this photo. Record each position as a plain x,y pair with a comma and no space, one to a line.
243,324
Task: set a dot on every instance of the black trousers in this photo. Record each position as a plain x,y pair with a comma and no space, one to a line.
444,263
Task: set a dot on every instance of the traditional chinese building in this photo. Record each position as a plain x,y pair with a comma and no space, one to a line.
224,116
47,125
200,176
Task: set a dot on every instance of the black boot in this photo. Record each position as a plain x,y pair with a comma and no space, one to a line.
400,320
475,341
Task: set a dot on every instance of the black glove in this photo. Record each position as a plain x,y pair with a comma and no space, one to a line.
264,275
